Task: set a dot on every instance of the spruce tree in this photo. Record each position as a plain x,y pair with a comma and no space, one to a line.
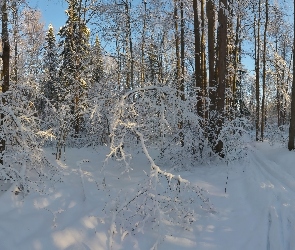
97,63
50,67
75,61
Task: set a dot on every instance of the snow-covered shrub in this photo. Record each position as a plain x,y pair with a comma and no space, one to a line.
145,117
166,122
95,111
96,119
160,202
235,134
275,134
23,160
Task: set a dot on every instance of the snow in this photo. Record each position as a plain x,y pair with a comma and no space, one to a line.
257,211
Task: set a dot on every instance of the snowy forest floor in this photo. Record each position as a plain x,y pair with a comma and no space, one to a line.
256,212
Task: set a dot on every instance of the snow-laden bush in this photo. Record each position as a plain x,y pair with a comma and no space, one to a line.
160,202
275,134
95,110
167,123
23,160
235,135
96,119
145,117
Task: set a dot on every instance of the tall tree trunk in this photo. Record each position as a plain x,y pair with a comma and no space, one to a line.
197,56
203,57
237,53
6,47
15,40
211,51
5,61
181,87
177,43
230,58
257,62
142,68
285,85
130,45
291,145
263,111
119,66
77,78
179,76
278,96
221,64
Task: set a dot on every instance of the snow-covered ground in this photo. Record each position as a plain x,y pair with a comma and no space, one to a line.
252,201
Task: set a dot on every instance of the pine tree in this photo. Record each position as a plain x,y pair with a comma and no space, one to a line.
75,61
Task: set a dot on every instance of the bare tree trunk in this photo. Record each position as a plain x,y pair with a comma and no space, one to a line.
230,59
5,61
142,68
237,53
119,68
179,76
211,50
263,112
131,59
15,40
285,85
177,43
197,56
278,96
181,88
291,145
203,57
257,62
221,64
6,47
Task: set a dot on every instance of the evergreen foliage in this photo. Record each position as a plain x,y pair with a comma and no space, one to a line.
96,62
73,73
51,68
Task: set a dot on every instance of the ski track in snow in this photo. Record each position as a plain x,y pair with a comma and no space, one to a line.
279,202
256,213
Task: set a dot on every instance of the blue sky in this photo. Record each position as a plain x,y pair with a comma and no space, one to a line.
53,11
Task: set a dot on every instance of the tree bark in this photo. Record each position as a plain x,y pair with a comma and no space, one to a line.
177,43
15,40
142,68
211,51
222,71
278,96
264,72
197,57
291,145
5,61
203,57
179,76
257,62
181,87
130,44
237,53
